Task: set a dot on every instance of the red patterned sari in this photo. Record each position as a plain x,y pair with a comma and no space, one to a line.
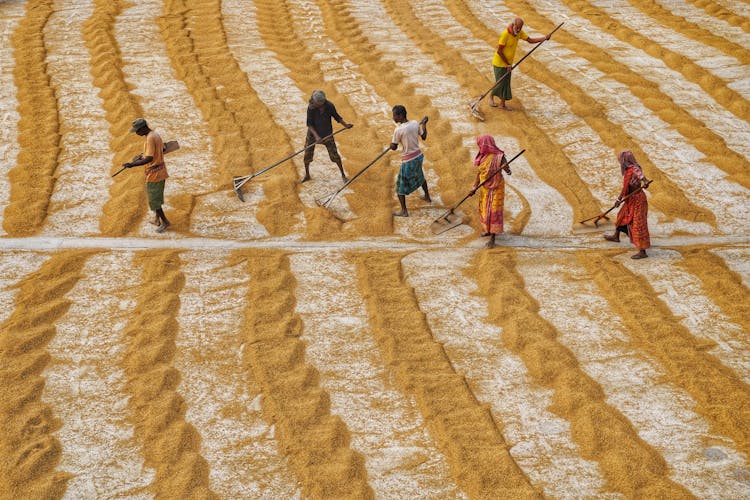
633,213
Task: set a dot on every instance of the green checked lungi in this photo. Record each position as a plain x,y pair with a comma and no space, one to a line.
410,176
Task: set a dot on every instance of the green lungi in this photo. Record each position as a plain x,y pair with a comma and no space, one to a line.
503,90
155,193
410,176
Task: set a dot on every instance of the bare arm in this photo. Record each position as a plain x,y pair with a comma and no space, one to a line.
423,128
138,161
502,56
344,122
314,133
537,39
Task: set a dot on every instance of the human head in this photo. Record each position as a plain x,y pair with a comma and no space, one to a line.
486,142
626,158
139,126
517,25
318,98
487,146
399,113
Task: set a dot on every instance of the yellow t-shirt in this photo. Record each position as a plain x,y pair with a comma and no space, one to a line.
156,170
509,43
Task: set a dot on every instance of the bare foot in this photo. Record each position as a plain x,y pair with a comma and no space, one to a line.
640,255
344,178
486,234
402,213
506,108
154,221
609,237
305,179
493,104
426,198
163,227
491,243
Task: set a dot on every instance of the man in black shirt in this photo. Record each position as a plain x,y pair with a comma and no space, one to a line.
319,114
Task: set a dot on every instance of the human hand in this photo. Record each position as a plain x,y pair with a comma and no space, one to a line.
348,125
507,170
424,120
127,165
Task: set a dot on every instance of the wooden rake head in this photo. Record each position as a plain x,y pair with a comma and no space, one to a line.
598,218
445,222
238,182
474,109
325,202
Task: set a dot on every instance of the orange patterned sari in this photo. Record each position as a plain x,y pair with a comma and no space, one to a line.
492,194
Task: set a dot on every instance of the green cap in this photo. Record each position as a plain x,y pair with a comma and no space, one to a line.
138,123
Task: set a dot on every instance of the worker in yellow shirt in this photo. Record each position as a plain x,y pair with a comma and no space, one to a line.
502,61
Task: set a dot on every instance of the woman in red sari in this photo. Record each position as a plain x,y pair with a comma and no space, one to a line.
632,219
490,161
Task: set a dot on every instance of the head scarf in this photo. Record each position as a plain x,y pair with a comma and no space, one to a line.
318,97
487,146
627,159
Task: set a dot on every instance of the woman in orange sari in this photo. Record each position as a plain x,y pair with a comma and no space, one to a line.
490,161
632,219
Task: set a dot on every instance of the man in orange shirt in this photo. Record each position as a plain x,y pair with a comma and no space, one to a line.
156,171
502,61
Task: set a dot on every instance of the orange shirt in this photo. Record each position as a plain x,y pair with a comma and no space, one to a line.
156,170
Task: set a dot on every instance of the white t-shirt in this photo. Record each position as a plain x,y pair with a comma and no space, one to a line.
407,134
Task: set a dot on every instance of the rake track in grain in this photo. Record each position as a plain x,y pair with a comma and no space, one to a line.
711,84
33,178
316,442
197,46
318,363
722,397
462,427
29,449
631,466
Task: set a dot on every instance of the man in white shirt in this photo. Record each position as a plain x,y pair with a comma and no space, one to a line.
410,176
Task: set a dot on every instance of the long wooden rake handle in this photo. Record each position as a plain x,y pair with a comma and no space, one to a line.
603,215
498,82
240,181
123,168
473,191
325,202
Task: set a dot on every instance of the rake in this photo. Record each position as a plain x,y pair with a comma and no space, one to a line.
326,202
450,219
239,181
603,215
474,105
169,146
